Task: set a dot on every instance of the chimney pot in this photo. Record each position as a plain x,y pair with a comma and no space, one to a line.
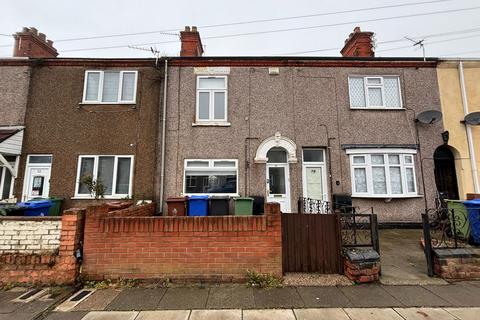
33,30
50,43
359,44
187,29
194,29
42,36
25,29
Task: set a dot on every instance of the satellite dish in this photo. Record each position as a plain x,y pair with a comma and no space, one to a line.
429,116
473,118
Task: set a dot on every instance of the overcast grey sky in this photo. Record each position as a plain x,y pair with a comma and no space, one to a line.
61,20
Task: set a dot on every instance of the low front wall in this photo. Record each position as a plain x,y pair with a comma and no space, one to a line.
29,235
190,248
46,252
457,263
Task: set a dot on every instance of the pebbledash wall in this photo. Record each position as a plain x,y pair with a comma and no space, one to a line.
40,249
133,244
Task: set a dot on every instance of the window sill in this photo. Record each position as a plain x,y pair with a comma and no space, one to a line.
387,197
377,108
106,103
211,124
104,198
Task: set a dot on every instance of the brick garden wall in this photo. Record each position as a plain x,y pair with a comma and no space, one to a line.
34,235
119,245
29,264
457,263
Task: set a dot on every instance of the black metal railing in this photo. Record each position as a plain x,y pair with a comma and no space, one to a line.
359,230
314,206
443,229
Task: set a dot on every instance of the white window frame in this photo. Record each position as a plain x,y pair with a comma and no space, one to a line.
367,153
315,164
100,87
3,172
366,86
210,168
211,106
95,173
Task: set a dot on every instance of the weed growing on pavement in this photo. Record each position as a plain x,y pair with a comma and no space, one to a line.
263,280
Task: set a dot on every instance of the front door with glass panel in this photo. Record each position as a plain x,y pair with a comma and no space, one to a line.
314,175
37,177
278,180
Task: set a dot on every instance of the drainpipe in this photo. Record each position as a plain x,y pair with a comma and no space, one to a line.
164,117
471,149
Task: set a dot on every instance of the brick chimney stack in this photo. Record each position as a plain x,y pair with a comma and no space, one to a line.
359,44
191,43
32,44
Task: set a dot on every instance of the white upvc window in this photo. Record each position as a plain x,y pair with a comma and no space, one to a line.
211,177
211,103
110,87
115,172
375,92
383,173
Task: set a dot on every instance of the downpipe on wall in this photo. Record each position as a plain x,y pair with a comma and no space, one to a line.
164,117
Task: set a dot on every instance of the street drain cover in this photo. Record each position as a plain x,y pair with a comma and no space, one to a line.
80,295
29,294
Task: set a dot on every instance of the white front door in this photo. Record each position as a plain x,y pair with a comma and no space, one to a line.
313,178
278,185
37,182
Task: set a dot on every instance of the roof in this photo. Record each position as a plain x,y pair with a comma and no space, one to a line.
7,133
231,61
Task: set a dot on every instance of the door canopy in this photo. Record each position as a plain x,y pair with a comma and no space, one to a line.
276,141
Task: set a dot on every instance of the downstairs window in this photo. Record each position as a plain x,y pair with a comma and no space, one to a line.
216,177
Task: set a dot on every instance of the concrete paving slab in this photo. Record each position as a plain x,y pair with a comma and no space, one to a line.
370,296
184,298
216,315
137,299
66,315
321,297
372,314
321,314
98,301
111,315
235,297
458,295
270,314
424,313
164,315
7,307
416,296
277,298
464,313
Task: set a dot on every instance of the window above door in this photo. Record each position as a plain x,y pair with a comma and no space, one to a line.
375,92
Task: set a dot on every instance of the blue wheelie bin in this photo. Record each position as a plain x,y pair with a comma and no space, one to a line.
473,207
36,208
198,205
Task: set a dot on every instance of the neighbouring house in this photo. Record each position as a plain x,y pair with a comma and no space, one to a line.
458,159
283,128
86,118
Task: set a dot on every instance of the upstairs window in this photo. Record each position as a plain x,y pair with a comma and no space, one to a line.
211,99
109,87
375,92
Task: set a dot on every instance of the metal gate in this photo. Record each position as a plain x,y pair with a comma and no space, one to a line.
311,243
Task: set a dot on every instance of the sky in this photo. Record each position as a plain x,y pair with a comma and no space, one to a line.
452,33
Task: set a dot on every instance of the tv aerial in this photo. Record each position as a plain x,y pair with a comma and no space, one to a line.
429,117
419,43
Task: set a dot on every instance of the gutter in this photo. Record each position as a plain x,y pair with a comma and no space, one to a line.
471,149
164,116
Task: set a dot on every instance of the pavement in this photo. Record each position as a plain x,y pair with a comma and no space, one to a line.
453,301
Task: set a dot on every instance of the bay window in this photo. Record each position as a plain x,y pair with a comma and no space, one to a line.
211,99
376,92
217,177
108,87
114,172
383,173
